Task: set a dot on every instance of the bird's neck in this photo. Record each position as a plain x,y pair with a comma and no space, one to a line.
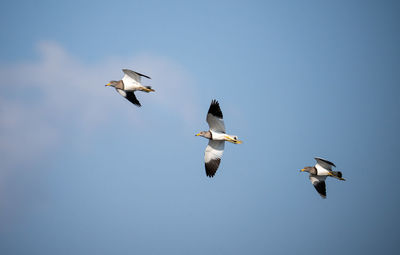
120,85
208,135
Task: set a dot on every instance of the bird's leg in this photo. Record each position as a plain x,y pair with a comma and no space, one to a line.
230,139
147,89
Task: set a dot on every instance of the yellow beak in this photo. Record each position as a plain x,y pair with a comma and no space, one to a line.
302,170
197,134
108,84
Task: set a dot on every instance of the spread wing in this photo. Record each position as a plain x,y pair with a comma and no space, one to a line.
129,96
319,184
133,75
214,117
325,163
212,156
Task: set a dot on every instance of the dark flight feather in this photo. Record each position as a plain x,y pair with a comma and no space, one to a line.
212,166
215,110
132,98
321,188
326,161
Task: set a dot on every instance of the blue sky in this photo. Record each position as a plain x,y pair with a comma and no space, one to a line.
85,172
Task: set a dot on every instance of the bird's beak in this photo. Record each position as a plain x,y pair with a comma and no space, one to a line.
108,84
197,134
302,170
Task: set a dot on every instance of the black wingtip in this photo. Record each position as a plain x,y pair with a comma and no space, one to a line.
128,70
215,109
137,105
321,188
326,161
148,77
131,97
212,167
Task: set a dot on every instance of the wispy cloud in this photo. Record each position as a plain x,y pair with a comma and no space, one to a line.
42,98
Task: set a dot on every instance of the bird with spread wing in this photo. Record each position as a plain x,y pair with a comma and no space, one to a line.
130,83
319,172
217,137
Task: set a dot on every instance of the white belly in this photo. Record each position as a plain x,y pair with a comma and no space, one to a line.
132,86
321,170
218,136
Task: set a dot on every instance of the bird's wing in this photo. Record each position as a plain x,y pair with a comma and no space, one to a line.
134,75
130,96
319,184
324,163
212,156
214,117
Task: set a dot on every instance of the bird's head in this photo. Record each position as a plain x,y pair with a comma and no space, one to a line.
206,134
309,169
112,84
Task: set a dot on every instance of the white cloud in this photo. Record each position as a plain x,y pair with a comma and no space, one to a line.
42,98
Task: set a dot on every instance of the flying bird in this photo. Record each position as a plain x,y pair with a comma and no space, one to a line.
129,84
319,172
217,136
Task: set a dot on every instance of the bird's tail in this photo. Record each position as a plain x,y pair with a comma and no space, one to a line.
148,89
337,175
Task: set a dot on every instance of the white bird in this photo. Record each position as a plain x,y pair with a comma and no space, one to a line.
217,137
129,84
319,172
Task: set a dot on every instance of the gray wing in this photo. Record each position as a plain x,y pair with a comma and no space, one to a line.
134,75
212,156
325,163
214,117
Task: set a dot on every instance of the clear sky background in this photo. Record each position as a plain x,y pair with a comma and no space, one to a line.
83,171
